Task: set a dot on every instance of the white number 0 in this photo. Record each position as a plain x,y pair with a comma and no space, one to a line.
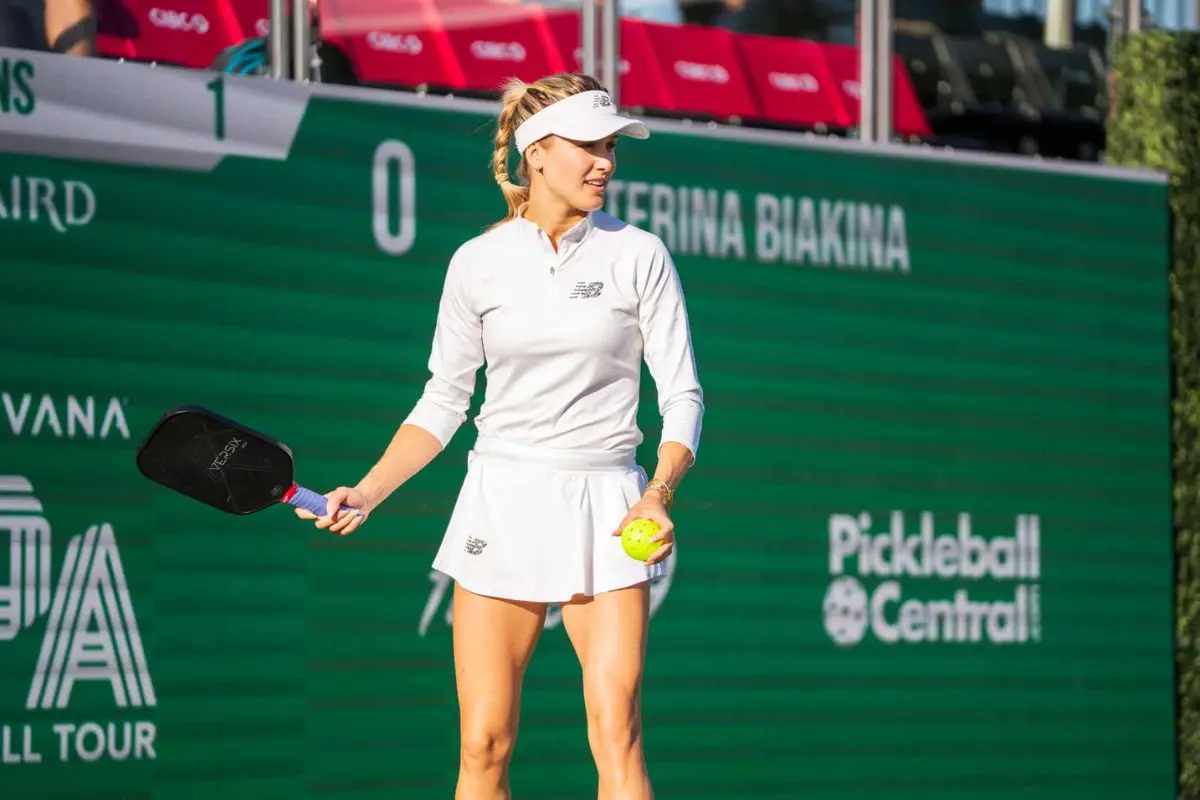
388,156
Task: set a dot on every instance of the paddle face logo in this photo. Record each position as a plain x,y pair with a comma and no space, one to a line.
222,458
911,587
91,640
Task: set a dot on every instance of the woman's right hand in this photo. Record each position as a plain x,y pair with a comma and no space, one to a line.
336,520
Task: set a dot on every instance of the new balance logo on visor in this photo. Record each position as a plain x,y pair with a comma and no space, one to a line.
583,289
601,100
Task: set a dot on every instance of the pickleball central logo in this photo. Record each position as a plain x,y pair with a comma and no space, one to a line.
846,611
899,586
91,639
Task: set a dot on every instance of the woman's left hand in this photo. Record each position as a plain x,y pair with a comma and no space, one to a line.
651,507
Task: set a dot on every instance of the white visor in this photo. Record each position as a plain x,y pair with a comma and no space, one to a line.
583,117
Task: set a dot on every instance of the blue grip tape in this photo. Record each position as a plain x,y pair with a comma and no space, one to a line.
311,501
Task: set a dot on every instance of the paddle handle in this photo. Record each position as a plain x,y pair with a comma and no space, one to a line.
311,501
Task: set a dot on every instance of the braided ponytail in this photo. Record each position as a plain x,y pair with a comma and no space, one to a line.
506,127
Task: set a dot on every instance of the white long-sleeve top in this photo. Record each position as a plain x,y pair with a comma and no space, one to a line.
563,335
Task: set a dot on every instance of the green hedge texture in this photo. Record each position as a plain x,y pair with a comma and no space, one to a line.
1155,123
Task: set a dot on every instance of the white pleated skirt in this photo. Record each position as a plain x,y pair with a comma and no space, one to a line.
536,525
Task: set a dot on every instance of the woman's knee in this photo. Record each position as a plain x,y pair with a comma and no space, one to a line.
485,750
614,721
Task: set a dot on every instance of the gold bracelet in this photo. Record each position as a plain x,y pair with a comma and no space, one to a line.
664,491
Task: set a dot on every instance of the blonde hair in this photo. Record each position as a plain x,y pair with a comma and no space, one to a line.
519,102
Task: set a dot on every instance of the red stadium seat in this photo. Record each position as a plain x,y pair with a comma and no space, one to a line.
519,43
908,118
641,83
453,44
701,71
393,43
188,33
793,82
253,15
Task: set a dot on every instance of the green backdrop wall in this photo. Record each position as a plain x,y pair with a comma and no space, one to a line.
926,551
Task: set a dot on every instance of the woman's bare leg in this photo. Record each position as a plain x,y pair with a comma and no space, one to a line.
493,641
608,632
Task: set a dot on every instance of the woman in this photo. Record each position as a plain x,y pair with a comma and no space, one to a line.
563,302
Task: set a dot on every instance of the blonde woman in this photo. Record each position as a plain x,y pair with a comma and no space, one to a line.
563,302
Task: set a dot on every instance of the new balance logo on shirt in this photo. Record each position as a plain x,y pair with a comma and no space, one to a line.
584,289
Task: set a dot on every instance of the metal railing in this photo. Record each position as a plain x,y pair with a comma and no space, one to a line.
290,40
602,44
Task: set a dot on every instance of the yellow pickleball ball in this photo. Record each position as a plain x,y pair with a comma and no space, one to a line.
636,539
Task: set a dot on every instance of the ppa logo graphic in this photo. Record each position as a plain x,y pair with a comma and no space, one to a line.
91,635
875,573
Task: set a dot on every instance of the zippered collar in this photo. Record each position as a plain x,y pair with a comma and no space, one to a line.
572,238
